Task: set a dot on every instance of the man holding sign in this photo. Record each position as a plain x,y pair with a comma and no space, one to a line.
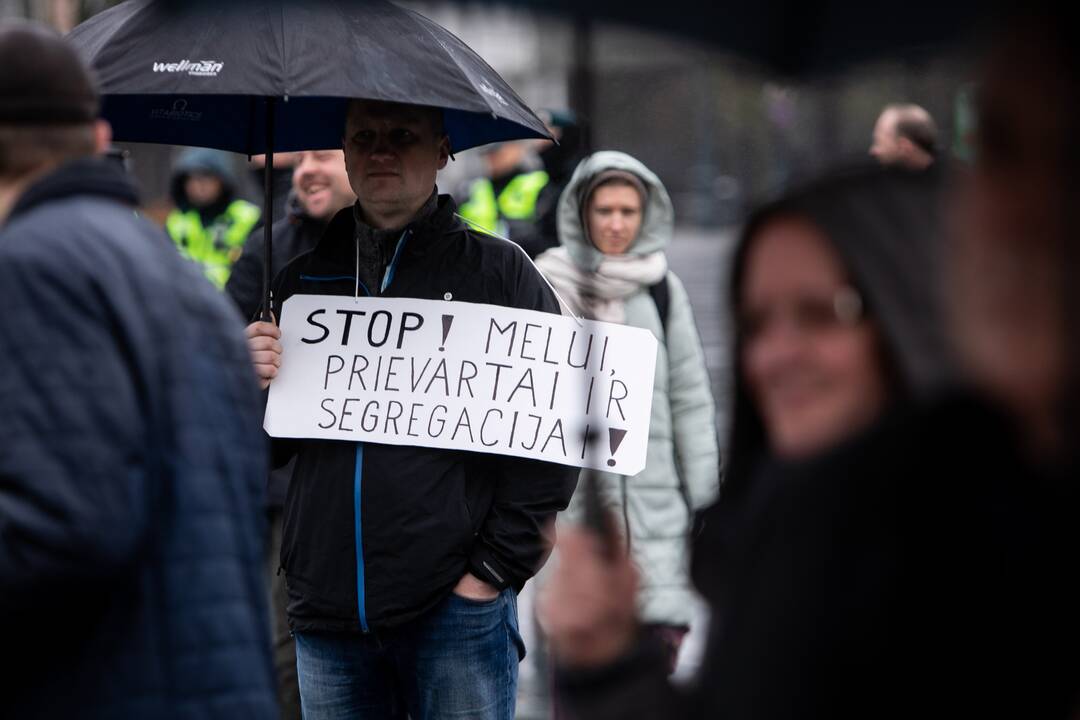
403,562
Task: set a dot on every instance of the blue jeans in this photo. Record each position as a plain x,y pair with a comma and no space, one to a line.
460,660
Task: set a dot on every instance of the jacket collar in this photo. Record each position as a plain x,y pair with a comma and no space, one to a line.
86,176
336,243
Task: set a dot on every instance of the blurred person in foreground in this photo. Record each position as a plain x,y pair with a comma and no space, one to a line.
1014,272
320,188
906,135
131,469
211,221
616,220
868,552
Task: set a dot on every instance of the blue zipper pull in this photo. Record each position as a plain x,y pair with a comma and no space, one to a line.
388,275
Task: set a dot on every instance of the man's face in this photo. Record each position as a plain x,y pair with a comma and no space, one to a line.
203,189
886,146
321,183
392,154
504,158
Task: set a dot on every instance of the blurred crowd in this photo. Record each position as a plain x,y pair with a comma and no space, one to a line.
890,530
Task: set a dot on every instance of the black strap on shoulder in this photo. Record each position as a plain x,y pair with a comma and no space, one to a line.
661,295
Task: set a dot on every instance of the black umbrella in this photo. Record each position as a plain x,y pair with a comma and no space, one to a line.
276,76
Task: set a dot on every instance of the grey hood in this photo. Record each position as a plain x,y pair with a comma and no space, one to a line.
656,227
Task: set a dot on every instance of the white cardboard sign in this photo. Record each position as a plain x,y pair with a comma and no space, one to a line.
464,376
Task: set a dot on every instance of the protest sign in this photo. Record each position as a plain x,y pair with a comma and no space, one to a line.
464,376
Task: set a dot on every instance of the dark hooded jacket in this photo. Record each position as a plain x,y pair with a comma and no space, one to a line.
211,235
375,535
204,160
559,162
293,235
131,469
877,579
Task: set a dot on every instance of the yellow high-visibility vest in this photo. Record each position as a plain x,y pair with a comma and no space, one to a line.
517,201
216,246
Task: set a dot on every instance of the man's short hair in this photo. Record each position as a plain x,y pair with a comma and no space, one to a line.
48,100
434,114
26,148
914,123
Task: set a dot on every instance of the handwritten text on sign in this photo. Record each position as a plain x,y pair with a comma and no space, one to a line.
464,376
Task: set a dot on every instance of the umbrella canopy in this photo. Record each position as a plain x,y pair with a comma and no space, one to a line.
204,73
274,76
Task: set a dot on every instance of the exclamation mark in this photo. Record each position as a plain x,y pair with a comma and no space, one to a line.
615,438
447,321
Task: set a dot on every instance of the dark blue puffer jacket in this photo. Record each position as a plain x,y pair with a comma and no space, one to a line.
131,470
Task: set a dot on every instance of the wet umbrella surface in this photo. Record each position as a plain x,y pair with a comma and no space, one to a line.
276,76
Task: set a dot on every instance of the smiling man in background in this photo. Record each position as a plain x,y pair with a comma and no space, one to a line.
320,187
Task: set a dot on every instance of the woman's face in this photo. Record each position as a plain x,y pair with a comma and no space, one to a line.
614,218
810,360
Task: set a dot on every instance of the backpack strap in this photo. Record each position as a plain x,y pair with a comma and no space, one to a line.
661,295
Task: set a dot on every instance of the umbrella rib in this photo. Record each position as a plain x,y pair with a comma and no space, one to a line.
284,47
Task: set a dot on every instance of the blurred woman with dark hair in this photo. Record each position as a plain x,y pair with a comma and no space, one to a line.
856,562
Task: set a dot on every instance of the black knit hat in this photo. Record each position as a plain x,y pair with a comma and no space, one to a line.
43,80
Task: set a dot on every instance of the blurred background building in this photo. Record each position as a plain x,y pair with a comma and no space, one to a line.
718,131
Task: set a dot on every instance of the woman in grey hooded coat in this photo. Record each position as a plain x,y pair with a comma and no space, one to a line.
615,221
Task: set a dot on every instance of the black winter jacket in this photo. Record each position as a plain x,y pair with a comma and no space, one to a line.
920,570
293,235
131,469
424,516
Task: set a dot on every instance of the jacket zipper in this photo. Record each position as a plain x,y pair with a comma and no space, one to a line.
358,472
388,275
358,481
325,278
358,476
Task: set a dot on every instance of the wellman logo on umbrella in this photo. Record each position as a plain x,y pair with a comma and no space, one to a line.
201,68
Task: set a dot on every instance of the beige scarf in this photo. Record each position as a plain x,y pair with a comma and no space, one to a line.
601,295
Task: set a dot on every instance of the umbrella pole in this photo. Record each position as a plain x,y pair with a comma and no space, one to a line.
268,212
